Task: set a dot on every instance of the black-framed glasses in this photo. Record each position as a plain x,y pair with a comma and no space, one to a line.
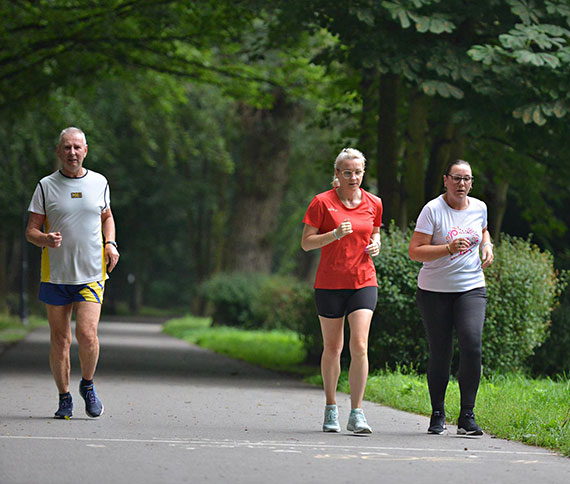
458,178
348,173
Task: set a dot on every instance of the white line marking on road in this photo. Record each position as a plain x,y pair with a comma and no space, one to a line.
273,445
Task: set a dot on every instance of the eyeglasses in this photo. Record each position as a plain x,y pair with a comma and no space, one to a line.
348,173
458,178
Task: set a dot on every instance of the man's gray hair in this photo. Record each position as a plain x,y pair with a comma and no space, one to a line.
69,130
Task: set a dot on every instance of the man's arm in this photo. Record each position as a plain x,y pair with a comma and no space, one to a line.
111,252
35,234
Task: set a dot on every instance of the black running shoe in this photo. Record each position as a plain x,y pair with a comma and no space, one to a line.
437,423
65,409
466,425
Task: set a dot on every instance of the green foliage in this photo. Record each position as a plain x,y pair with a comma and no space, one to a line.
444,89
280,303
232,297
287,303
536,47
523,289
107,36
553,357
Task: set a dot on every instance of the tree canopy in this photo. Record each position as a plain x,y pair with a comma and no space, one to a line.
217,121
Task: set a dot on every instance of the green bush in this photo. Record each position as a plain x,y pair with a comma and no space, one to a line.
276,305
553,357
232,297
285,303
523,289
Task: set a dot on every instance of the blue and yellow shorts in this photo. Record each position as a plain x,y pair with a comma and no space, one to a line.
62,294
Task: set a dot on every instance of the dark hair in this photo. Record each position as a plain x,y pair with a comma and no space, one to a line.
455,162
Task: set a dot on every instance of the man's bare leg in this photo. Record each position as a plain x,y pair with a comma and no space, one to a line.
59,318
87,321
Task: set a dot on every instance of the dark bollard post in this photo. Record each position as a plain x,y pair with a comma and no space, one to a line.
24,269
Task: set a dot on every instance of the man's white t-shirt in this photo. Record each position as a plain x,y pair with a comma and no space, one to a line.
73,206
455,272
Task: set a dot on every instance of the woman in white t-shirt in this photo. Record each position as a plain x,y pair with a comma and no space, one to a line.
450,231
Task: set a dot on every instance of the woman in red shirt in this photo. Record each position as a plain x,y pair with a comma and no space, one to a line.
345,223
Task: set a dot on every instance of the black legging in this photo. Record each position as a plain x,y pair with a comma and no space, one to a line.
441,312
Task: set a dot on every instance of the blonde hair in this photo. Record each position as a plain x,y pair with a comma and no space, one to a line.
344,155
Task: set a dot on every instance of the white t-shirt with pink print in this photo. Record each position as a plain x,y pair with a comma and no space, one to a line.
458,272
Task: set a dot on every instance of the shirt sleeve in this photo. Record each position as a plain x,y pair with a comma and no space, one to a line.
37,203
314,215
379,210
425,222
107,198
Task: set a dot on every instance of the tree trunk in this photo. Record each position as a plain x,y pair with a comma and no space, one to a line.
439,158
457,149
496,200
388,184
413,173
261,174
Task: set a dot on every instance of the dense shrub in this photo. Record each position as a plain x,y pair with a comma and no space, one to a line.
286,303
231,298
523,289
397,334
553,357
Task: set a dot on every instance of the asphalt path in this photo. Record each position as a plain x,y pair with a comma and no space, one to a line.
177,413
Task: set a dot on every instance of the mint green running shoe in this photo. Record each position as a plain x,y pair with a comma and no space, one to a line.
357,422
331,419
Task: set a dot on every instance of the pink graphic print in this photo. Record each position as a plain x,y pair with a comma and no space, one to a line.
469,234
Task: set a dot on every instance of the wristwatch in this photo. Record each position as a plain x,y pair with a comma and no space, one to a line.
113,243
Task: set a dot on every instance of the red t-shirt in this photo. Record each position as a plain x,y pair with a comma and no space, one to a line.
344,263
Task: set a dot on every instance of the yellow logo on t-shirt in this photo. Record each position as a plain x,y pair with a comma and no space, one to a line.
76,195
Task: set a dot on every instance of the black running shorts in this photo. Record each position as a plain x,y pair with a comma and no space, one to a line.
336,303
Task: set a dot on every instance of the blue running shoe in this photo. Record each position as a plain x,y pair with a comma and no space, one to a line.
357,422
93,405
331,419
65,409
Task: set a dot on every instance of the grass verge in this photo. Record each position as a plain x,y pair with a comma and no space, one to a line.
275,350
12,329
